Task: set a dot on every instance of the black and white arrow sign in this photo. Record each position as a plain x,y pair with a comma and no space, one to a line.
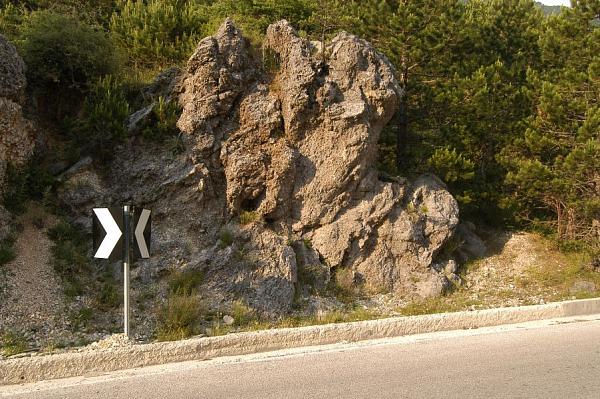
142,223
108,233
109,228
113,239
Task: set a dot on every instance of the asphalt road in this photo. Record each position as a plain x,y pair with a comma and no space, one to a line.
550,359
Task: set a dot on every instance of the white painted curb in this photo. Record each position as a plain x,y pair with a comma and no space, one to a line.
35,368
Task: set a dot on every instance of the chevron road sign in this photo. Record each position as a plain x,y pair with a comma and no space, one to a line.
109,233
113,238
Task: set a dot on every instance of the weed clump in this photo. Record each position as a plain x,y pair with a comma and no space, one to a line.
12,343
179,317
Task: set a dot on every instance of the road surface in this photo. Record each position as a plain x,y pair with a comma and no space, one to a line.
548,359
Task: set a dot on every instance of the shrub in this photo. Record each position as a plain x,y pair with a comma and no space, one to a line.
61,52
179,317
80,319
225,238
7,251
109,296
103,123
242,314
344,287
31,181
185,282
157,33
247,217
11,18
162,122
69,256
13,343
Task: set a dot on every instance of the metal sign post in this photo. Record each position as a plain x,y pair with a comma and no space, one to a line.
117,223
126,274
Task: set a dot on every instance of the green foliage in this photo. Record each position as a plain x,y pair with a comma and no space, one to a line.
7,251
451,166
11,19
185,282
158,33
109,295
13,343
31,181
553,164
69,256
161,124
225,238
80,319
102,124
242,314
254,16
63,53
179,317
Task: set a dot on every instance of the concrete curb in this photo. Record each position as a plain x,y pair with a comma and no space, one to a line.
35,368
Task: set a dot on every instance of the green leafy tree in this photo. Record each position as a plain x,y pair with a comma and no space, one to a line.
61,50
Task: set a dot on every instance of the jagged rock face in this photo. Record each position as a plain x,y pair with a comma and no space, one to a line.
12,72
16,132
297,146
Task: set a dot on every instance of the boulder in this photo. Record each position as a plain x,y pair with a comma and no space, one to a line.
297,147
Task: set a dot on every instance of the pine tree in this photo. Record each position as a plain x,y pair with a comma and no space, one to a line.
555,164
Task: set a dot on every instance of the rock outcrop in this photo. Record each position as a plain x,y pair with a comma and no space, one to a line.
16,140
16,132
278,177
297,147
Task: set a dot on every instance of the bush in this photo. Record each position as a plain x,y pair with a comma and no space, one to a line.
80,319
242,314
63,53
105,111
225,238
162,121
11,18
31,181
13,343
185,282
157,33
69,256
179,317
7,251
344,287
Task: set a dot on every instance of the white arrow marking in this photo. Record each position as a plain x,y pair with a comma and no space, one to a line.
113,233
139,233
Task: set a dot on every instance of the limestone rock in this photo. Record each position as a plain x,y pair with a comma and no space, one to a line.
16,132
297,146
12,72
471,245
16,135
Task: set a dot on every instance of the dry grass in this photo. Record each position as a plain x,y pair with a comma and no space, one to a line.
527,269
